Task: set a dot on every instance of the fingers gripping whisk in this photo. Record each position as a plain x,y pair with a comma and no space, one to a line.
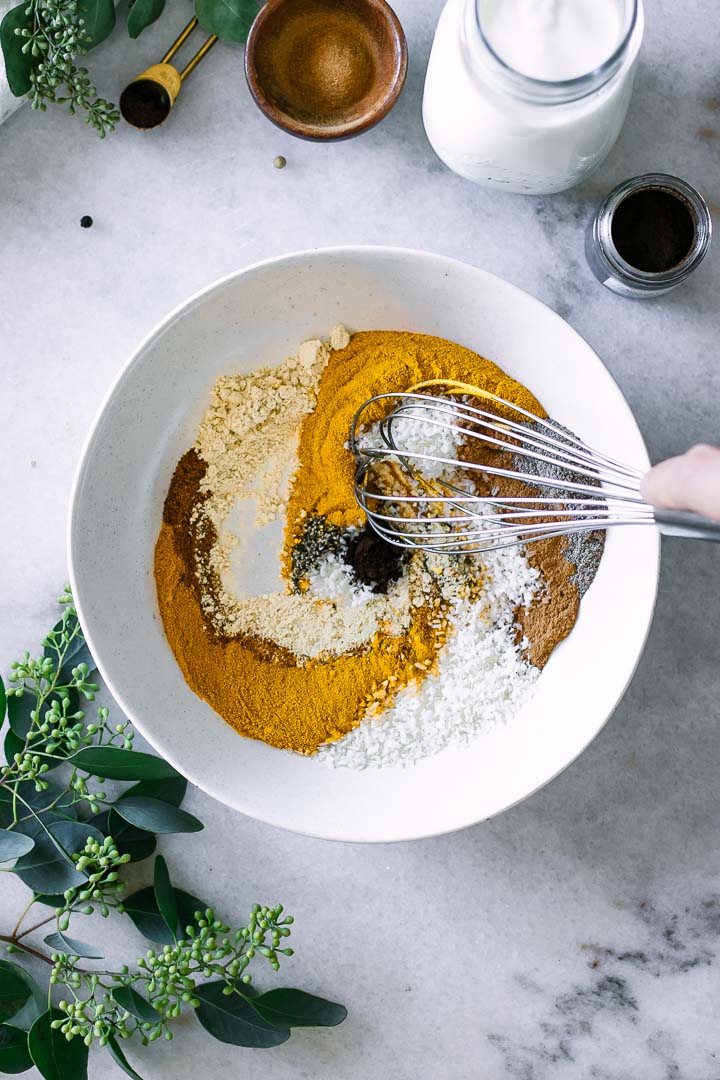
452,468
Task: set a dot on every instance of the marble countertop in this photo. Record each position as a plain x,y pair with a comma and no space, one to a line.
578,934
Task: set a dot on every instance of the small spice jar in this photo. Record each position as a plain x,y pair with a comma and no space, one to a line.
648,235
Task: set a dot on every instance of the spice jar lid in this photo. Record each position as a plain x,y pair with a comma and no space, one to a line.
649,234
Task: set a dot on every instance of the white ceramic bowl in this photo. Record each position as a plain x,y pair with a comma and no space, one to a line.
258,316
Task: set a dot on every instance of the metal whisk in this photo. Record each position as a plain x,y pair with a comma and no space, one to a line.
426,456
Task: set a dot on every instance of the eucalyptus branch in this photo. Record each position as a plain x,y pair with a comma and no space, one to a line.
74,864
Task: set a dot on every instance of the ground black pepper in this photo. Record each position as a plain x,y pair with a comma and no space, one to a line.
319,538
653,229
374,561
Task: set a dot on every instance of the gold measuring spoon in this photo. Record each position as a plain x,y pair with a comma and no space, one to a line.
148,100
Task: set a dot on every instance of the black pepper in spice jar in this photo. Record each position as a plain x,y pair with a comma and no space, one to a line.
653,229
648,235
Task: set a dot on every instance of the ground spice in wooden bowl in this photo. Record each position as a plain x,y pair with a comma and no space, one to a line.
326,69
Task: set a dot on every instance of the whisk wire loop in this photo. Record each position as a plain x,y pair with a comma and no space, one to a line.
444,452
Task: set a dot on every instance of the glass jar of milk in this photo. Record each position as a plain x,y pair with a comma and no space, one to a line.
530,95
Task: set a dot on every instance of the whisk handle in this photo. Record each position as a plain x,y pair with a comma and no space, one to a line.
687,524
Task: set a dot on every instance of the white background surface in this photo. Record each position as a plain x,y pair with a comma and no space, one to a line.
577,935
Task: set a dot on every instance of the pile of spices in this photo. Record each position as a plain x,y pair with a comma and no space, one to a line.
374,656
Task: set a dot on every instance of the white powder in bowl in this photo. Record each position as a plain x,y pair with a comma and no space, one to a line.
482,679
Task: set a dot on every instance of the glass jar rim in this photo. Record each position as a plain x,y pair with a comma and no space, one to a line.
561,91
602,228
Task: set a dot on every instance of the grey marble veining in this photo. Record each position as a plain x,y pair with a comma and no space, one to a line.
577,935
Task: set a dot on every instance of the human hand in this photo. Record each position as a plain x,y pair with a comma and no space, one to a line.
688,482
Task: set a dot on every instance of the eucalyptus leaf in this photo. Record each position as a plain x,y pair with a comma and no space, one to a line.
231,1019
14,990
143,910
52,1054
288,1008
115,1052
59,798
142,13
12,744
136,843
72,835
229,19
14,1053
138,1006
130,840
170,790
49,868
60,942
32,810
156,816
6,807
35,1004
99,16
53,900
18,65
19,708
14,844
112,763
46,869
165,894
3,701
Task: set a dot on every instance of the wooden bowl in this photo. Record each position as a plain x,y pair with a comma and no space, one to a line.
326,69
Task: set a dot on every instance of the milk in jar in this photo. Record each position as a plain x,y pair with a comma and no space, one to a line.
529,96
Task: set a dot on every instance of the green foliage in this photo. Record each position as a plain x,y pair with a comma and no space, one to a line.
14,844
156,816
113,1048
98,23
142,13
295,1008
60,942
35,1003
14,990
14,1053
71,844
112,763
18,63
41,40
56,1057
142,907
229,19
138,1006
232,1019
165,897
54,864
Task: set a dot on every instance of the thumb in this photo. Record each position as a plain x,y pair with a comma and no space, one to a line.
688,482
